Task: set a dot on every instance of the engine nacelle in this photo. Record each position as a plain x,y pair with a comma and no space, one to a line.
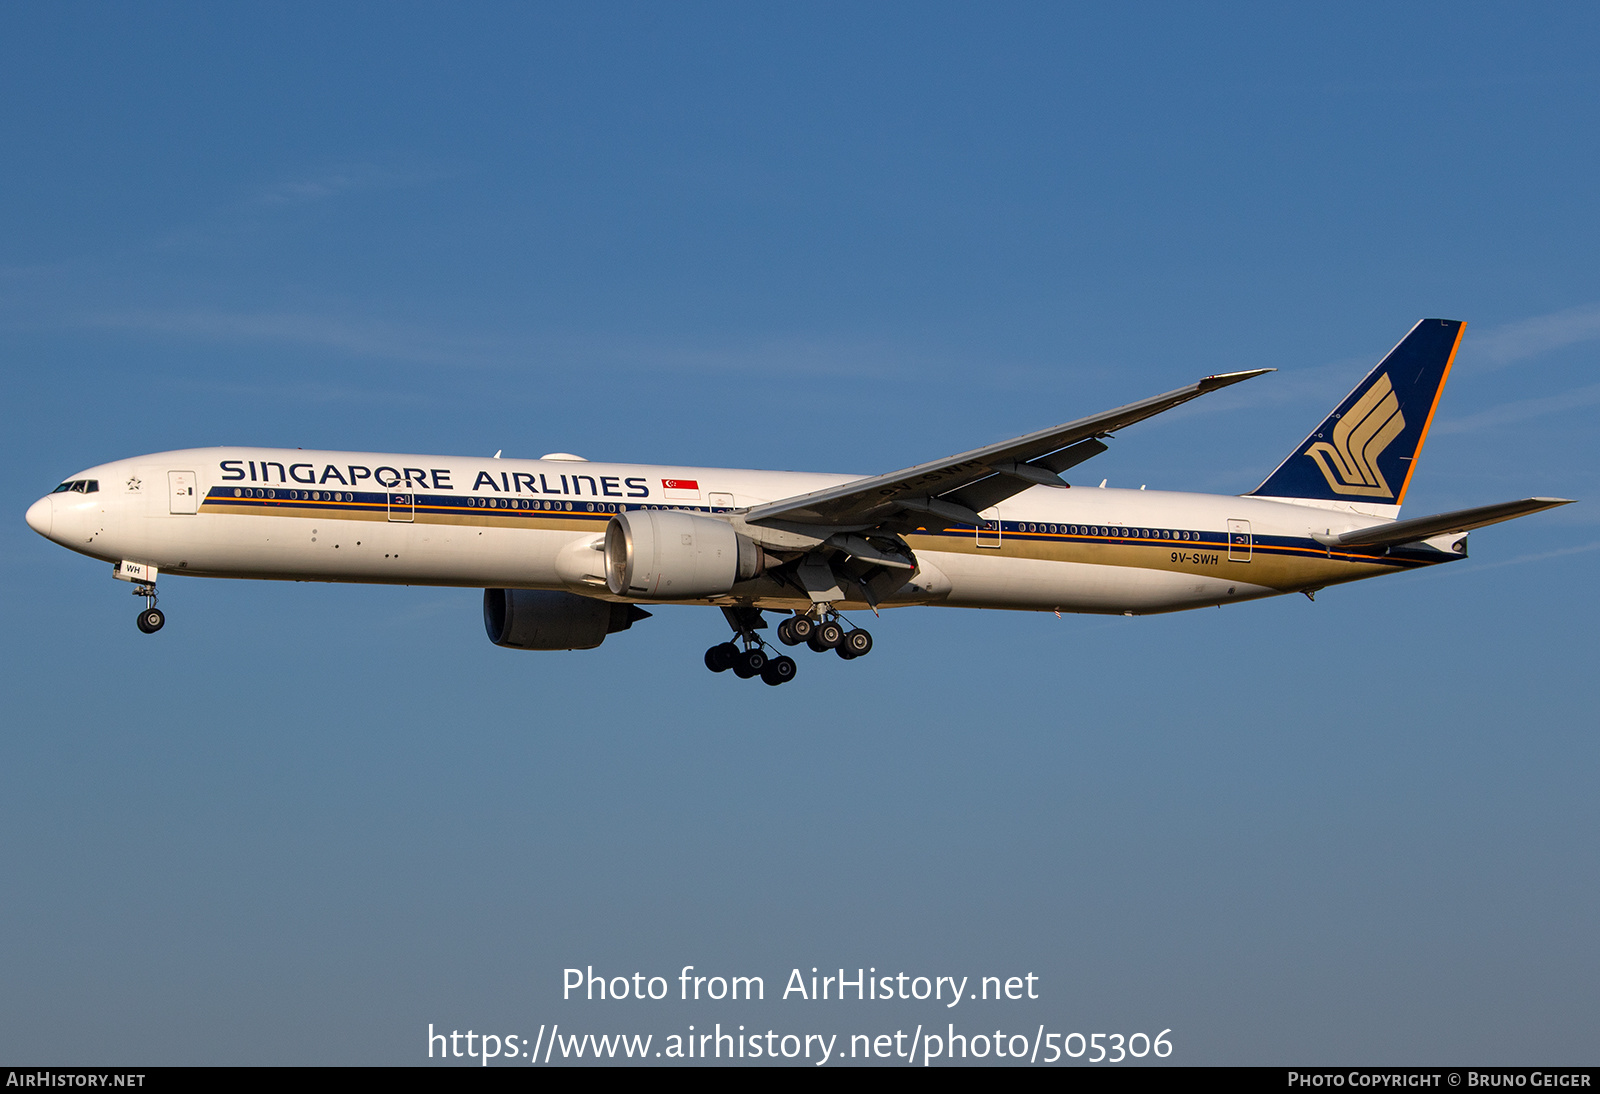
534,619
666,554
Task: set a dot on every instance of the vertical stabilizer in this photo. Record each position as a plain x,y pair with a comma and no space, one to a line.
1367,449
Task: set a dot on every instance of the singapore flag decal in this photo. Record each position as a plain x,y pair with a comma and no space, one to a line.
681,489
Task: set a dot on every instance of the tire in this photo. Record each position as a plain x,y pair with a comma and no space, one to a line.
801,628
780,670
829,635
858,642
720,658
749,663
786,633
844,652
151,620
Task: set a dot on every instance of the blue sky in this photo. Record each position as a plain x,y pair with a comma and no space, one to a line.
304,821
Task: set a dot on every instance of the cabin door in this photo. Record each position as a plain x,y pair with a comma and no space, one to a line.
1239,541
182,492
989,530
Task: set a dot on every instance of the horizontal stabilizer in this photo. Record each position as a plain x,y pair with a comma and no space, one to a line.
1462,520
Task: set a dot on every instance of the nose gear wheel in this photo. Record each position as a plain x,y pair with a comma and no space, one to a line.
151,618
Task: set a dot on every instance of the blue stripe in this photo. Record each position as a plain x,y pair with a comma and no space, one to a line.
355,501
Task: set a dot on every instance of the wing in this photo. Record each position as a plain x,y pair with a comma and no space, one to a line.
956,488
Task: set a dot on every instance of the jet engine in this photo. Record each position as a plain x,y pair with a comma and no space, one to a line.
665,554
534,619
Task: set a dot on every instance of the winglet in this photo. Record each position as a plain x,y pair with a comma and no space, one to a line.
1226,379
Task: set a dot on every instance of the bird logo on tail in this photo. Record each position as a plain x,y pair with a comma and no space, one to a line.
1350,462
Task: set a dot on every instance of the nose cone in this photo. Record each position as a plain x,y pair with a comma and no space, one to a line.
41,515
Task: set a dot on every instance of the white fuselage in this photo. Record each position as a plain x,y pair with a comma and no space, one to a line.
502,523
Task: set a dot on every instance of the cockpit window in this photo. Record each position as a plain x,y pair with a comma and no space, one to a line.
79,486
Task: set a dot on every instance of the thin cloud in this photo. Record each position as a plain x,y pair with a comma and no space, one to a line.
1521,559
1487,350
313,392
432,608
833,359
35,272
1504,345
305,191
263,207
357,338
1522,410
1492,349
1321,384
830,359
330,183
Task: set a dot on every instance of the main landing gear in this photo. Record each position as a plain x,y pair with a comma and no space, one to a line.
748,656
750,662
828,633
151,618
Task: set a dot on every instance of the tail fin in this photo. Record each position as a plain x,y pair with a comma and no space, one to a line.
1368,447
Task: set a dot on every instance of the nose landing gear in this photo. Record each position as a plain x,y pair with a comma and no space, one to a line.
151,618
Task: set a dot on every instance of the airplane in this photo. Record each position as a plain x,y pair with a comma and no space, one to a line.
567,550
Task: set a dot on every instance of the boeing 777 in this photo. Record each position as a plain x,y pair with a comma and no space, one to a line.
567,550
